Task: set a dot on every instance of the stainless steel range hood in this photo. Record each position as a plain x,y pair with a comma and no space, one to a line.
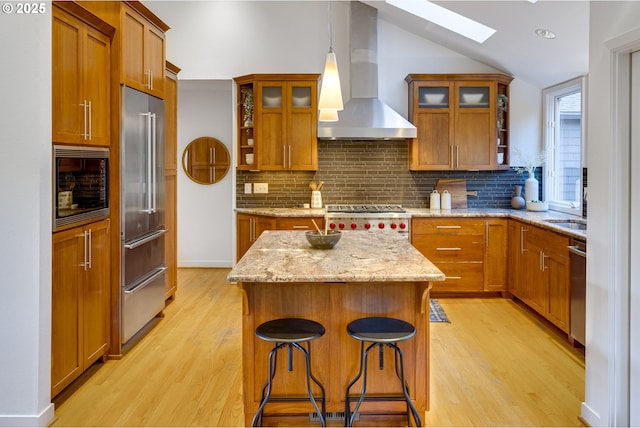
365,117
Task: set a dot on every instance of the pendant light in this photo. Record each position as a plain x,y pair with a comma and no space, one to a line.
327,115
330,100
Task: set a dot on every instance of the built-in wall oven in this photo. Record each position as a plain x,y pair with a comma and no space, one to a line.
578,260
80,185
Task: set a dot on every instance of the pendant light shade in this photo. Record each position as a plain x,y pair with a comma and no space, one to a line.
328,116
330,99
330,92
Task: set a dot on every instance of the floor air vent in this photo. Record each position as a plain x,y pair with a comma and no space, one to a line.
331,416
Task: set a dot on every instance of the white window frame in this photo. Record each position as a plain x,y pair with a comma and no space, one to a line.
549,136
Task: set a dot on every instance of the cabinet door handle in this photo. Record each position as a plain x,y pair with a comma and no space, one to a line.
448,248
84,256
284,156
85,106
150,80
90,245
543,265
451,156
457,157
522,231
290,166
90,117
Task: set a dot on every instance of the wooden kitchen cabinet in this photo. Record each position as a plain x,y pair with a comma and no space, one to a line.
459,123
81,64
249,228
80,301
544,280
277,122
515,258
495,258
457,247
170,178
299,223
140,43
143,53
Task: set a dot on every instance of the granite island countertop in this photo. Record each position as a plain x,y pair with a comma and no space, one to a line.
359,256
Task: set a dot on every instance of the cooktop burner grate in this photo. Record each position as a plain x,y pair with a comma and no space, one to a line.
365,209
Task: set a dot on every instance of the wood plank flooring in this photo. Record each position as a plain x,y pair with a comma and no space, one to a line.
496,364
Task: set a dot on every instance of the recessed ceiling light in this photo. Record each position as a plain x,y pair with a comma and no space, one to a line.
547,34
445,18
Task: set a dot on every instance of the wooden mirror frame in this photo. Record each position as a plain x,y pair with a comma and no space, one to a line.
206,160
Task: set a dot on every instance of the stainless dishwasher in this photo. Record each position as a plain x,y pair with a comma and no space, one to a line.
578,260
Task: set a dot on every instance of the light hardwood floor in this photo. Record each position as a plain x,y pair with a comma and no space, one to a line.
496,364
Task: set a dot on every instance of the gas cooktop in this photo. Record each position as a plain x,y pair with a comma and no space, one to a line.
365,209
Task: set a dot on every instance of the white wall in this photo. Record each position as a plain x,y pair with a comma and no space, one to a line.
606,357
205,213
290,37
25,219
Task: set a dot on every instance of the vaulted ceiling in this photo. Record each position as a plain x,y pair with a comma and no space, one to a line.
514,48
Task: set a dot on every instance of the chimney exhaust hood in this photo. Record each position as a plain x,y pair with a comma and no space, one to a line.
365,117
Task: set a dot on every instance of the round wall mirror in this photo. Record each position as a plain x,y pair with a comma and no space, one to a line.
206,160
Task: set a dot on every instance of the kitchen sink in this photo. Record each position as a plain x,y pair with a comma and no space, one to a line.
569,223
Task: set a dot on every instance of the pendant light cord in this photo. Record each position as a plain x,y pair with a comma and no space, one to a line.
330,27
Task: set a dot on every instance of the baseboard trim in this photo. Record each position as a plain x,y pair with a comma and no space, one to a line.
45,418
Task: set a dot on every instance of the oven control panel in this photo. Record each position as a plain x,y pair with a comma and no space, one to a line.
372,224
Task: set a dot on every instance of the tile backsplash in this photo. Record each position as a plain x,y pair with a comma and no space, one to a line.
372,172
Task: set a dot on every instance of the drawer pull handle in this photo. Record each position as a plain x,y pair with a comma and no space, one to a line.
300,227
452,277
448,227
448,249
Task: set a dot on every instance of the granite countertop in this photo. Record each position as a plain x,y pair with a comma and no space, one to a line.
531,217
284,212
359,256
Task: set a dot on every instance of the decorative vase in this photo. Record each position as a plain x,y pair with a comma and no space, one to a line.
517,201
531,188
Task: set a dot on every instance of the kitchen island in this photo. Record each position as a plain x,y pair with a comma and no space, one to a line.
366,274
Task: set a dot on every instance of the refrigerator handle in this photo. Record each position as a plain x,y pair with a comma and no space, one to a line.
149,166
147,281
148,238
154,152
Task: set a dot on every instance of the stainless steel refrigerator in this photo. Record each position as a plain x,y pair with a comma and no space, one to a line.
143,211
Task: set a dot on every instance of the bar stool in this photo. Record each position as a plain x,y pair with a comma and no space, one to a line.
290,333
380,332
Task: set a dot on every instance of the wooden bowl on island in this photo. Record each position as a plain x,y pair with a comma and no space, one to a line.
321,241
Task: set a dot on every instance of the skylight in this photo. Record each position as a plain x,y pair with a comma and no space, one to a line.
445,18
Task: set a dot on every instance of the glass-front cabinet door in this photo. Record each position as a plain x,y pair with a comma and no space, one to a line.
270,126
475,132
462,121
433,118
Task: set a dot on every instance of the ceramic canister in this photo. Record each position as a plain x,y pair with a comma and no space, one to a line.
434,200
445,202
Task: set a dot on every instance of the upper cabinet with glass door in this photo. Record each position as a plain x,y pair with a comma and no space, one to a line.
461,119
277,122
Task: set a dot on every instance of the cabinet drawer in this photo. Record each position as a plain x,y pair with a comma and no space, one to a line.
450,248
449,226
460,277
298,223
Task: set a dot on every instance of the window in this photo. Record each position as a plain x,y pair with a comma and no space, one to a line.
563,141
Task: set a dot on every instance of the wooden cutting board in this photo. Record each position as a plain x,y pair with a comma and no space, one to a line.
458,189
